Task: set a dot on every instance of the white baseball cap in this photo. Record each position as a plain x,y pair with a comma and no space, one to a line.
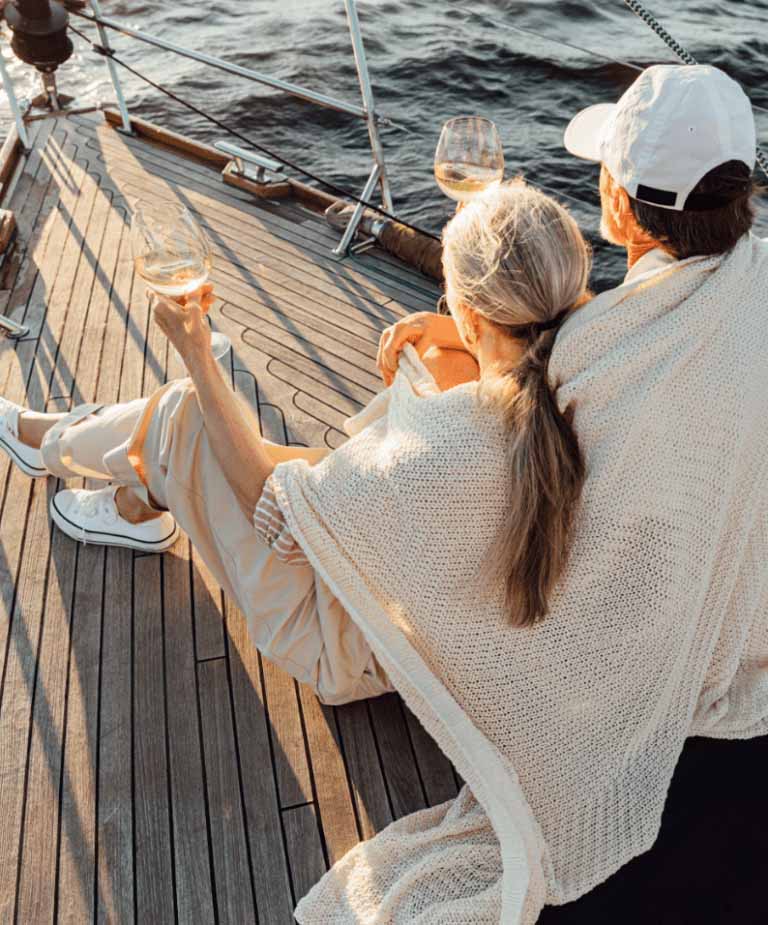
671,127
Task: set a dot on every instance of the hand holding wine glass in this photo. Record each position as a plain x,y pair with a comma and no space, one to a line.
172,254
469,157
182,320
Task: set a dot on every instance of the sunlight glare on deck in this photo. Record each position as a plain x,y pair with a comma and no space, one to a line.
154,767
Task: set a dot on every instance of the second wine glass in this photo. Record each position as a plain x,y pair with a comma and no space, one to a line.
172,254
469,157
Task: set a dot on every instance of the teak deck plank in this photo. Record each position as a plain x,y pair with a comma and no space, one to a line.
292,769
155,767
114,823
117,893
114,817
14,497
165,174
435,770
153,850
366,775
16,713
304,847
208,610
269,866
194,889
229,845
37,876
401,773
78,798
333,796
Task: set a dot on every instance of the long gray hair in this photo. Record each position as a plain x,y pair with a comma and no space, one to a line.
518,257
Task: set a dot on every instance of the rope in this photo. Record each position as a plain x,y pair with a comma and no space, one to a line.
639,10
337,190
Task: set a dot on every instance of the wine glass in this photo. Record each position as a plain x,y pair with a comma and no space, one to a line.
172,254
469,157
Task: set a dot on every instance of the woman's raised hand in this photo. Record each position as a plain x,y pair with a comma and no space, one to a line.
408,330
423,330
183,321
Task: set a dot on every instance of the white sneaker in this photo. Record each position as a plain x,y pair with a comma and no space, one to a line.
29,460
92,517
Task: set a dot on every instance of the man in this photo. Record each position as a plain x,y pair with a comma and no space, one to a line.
677,152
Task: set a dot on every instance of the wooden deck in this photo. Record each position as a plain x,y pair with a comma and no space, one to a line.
153,767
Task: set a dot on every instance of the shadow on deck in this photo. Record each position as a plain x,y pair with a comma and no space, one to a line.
154,767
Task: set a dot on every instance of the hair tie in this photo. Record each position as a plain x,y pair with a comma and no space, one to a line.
554,322
532,328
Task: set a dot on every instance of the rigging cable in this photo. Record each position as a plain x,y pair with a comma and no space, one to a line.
640,11
570,45
633,5
338,190
548,38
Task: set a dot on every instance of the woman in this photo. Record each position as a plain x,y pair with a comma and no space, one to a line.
547,606
192,452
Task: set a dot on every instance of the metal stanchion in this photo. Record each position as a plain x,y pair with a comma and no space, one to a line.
379,172
104,39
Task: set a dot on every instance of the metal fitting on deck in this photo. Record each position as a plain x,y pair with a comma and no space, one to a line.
39,30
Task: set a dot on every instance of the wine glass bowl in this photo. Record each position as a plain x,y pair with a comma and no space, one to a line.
469,157
170,250
172,254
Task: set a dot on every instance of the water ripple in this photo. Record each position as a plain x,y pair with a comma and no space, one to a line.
427,62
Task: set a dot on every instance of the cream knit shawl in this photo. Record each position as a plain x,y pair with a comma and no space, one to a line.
567,733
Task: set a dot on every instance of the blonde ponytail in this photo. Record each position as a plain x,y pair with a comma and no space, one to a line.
547,472
517,257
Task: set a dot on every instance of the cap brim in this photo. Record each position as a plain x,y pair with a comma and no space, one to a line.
585,131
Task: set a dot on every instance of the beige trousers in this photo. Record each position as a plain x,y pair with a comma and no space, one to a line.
159,447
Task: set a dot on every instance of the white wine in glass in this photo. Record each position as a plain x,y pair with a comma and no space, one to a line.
174,278
172,254
469,157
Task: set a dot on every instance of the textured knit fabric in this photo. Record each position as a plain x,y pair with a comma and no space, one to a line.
269,519
567,733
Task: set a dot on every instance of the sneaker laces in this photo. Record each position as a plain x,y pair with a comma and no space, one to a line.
101,504
9,417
